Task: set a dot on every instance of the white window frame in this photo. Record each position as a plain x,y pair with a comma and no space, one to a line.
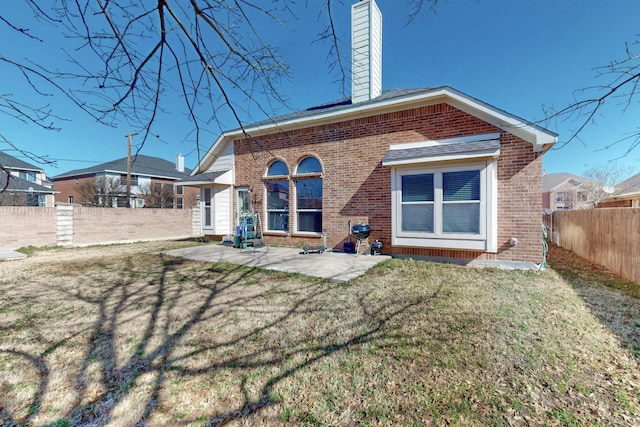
268,179
300,179
487,238
207,208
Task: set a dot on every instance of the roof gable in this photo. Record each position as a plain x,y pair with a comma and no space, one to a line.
17,184
10,162
141,165
551,181
388,101
629,186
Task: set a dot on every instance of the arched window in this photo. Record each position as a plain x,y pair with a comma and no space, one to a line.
309,165
278,168
277,187
308,181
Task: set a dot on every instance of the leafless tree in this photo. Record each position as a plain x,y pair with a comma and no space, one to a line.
605,178
157,195
141,54
129,61
619,86
103,191
12,198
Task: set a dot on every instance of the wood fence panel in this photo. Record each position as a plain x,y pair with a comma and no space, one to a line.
607,237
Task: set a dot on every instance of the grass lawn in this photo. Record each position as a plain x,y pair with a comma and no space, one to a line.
144,339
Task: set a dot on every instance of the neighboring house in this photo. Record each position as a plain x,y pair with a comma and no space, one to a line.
626,194
152,184
433,172
564,191
28,184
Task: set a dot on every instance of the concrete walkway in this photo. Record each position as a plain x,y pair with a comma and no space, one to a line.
6,254
332,266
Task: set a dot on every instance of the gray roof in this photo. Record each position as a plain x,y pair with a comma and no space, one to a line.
552,180
386,95
628,186
435,151
17,184
141,165
11,162
201,178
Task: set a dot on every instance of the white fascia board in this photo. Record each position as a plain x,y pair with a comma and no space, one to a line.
141,175
431,143
444,158
224,179
210,156
503,121
510,124
517,127
625,195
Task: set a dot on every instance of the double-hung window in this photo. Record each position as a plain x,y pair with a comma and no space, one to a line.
444,207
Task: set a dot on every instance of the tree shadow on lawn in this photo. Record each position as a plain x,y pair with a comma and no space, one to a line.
611,298
181,325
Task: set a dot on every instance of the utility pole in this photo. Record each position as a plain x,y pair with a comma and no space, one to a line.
128,200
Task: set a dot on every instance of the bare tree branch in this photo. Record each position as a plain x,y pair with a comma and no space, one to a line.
622,86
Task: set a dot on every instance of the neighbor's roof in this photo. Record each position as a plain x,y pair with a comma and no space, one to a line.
141,165
17,184
553,180
388,101
628,187
11,162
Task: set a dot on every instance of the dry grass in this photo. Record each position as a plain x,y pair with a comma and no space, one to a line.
146,339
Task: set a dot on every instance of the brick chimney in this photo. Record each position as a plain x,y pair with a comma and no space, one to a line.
366,51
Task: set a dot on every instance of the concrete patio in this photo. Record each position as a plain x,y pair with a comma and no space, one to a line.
331,266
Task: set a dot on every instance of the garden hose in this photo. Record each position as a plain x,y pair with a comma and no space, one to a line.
545,248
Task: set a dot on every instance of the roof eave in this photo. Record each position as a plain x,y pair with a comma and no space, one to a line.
535,135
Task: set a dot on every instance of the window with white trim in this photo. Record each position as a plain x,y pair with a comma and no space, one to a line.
277,194
445,206
308,184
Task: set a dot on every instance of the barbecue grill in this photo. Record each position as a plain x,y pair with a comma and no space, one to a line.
361,233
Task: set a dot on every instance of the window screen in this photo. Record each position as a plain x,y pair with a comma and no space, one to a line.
461,202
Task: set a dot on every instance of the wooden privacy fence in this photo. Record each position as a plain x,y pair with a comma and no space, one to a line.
607,237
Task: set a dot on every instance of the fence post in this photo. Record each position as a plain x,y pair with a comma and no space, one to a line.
64,225
196,230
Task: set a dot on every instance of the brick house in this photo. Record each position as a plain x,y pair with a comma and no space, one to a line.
433,172
153,183
23,184
564,191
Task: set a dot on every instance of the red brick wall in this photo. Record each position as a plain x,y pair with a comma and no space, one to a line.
357,187
66,188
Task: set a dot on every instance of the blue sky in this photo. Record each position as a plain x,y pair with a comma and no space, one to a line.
516,55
